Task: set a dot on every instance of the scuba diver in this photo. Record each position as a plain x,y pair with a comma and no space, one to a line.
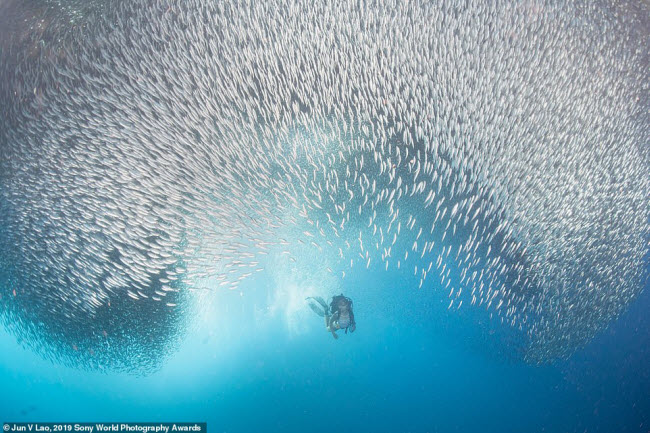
338,314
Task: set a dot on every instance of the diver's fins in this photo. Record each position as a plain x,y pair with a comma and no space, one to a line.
315,308
322,302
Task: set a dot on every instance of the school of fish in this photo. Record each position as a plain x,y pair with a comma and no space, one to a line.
497,152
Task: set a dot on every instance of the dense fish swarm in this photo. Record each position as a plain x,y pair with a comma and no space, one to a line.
497,151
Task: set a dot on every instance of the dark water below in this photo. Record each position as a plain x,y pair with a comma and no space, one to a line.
410,367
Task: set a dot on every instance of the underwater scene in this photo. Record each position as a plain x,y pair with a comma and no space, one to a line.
325,216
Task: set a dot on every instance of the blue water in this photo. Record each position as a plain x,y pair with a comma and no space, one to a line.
412,366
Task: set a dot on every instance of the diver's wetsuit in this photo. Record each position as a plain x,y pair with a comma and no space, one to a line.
336,315
341,320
